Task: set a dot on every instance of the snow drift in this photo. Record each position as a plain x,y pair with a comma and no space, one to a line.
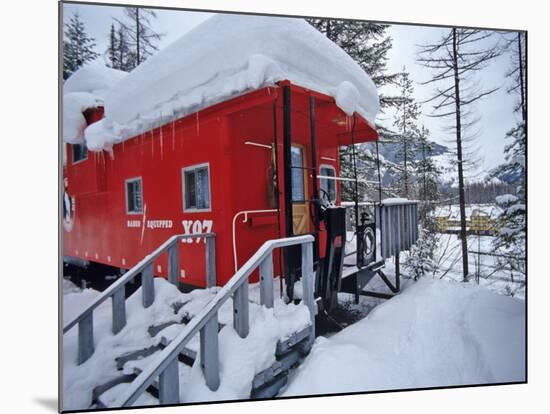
85,89
435,333
224,57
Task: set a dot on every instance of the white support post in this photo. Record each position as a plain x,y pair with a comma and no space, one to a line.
266,281
173,264
209,353
308,282
210,262
147,286
240,309
169,384
119,310
85,338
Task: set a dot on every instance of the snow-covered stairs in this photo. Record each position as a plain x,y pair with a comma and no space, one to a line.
162,346
265,384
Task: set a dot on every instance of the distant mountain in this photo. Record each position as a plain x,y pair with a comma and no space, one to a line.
393,152
510,178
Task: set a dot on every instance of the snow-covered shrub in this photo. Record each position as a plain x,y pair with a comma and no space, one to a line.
420,261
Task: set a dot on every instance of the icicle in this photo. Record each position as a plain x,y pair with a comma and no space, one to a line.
152,145
173,135
197,123
161,144
143,223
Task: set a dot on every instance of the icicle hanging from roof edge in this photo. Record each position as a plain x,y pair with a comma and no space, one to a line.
173,135
161,139
197,123
152,144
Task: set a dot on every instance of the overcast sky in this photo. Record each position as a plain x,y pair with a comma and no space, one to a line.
495,110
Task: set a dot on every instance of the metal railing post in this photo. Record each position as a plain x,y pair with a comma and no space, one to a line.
173,264
240,309
308,282
266,281
210,262
209,351
85,338
119,310
169,384
147,286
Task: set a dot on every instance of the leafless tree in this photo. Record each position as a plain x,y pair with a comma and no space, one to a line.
454,60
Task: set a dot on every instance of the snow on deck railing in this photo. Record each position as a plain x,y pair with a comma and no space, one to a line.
165,365
116,291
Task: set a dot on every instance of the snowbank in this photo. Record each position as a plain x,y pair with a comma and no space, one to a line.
224,57
85,89
435,333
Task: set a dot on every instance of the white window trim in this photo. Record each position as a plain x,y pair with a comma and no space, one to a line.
73,162
130,180
190,168
331,167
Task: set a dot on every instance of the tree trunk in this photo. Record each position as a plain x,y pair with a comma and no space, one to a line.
463,235
138,60
521,88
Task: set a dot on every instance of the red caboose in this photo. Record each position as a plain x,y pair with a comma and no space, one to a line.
248,168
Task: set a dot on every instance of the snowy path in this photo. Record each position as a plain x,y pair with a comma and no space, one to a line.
435,333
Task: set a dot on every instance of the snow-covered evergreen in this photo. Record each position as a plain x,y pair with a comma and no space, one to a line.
512,222
78,47
405,122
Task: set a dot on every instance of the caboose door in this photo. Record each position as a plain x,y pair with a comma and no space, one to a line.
300,206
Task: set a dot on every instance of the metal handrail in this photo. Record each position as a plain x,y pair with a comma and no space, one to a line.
116,291
165,365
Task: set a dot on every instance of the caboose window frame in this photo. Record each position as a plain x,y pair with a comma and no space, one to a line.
328,182
127,192
188,206
84,150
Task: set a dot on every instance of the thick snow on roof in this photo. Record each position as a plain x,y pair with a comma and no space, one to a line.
226,56
86,88
94,78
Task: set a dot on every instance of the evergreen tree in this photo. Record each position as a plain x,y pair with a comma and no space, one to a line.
112,52
421,260
405,123
140,38
368,44
512,223
77,46
428,175
454,58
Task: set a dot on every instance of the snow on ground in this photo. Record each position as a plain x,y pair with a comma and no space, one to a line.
452,211
240,359
224,57
435,333
491,275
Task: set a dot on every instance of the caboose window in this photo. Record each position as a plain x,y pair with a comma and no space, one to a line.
196,187
134,196
328,185
80,152
297,164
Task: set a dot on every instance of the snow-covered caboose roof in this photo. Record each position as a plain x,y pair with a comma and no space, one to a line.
84,89
224,57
